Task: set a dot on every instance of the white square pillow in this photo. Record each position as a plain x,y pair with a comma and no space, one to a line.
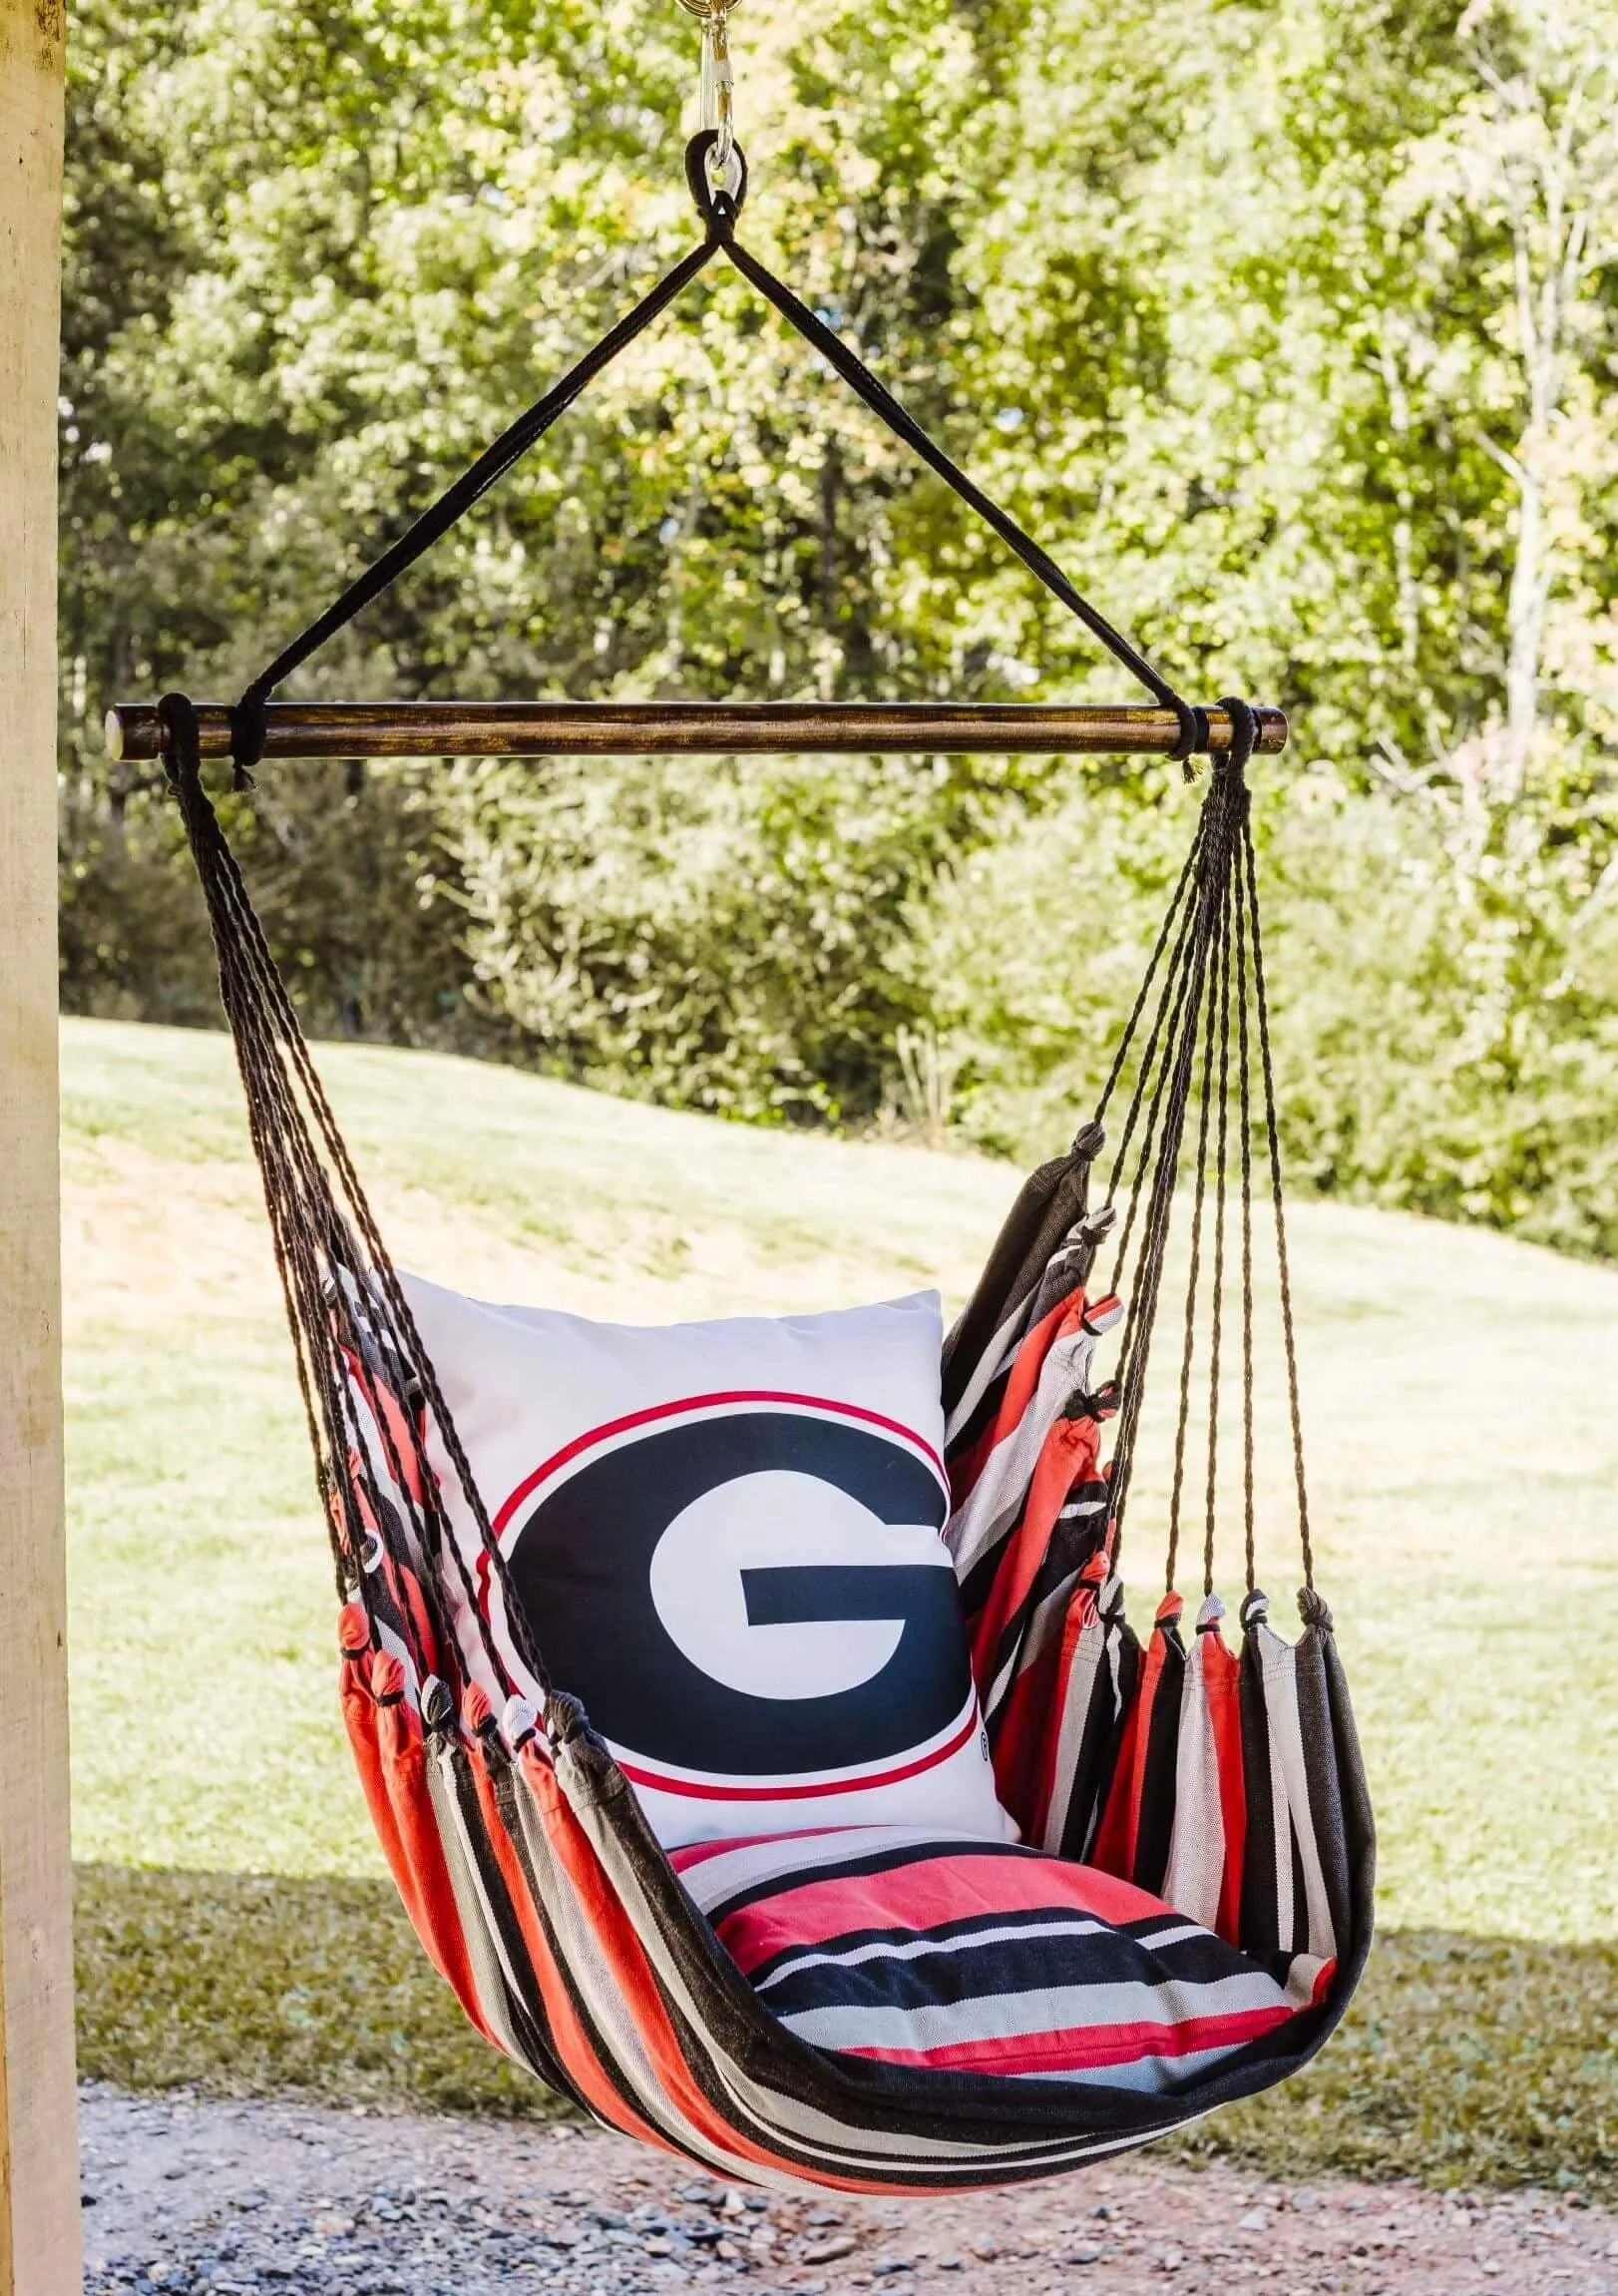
726,1538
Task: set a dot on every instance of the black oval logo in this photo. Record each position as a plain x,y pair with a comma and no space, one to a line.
746,1590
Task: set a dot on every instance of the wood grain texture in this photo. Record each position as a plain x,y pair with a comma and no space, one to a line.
38,2168
684,728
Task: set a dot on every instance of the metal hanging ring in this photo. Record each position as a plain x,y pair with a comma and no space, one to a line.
717,204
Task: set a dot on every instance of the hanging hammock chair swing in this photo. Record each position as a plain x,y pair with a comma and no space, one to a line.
1189,1906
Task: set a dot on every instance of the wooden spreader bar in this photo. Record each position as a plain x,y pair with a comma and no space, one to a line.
680,728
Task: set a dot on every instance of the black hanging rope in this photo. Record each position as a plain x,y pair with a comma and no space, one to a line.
1206,969
1272,1135
720,210
1221,1170
327,1241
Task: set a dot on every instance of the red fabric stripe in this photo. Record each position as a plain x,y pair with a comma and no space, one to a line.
423,1875
386,1410
1027,1366
698,1853
954,1886
1021,1738
656,1411
1066,1457
359,1720
632,1972
1222,1674
1084,2047
705,1790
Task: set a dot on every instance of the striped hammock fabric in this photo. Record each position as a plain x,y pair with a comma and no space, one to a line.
869,2009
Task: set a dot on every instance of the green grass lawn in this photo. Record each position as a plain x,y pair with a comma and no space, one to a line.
1462,1410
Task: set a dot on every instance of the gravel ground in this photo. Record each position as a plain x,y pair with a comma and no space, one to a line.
198,2196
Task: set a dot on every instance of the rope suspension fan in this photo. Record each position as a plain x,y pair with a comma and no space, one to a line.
1179,1905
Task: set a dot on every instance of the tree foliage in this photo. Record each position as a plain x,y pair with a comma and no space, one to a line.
1289,327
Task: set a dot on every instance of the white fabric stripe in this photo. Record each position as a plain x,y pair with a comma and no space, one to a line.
1160,1938
1196,1851
1279,1661
1280,1813
1053,2008
586,1968
1303,1977
993,1361
1075,1695
1008,1469
923,1947
1047,1623
1147,2076
729,1872
483,1952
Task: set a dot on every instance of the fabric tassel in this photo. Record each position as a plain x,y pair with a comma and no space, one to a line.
1208,1843
1134,1837
1293,1797
423,1874
1098,1677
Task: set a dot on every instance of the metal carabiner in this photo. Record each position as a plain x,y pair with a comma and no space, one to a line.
718,101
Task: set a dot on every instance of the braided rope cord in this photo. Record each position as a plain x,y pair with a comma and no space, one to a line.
318,1245
1208,970
1222,1157
1170,1093
1245,1134
1272,1135
1192,1282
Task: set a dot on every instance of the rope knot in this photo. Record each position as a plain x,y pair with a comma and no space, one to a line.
249,727
1244,734
181,744
719,208
1312,1611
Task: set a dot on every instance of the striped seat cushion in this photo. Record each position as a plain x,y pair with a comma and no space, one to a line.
980,1957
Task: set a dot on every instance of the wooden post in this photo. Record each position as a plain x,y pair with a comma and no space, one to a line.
38,2163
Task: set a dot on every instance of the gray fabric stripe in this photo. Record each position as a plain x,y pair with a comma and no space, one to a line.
588,1970
482,1949
1319,1765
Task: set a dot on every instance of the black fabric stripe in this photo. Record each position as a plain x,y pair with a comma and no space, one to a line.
1068,1266
1353,1799
1093,1951
1104,1726
886,1861
1049,1201
525,2007
979,1583
1319,1769
985,1410
1261,1915
1154,1828
1029,1969
1195,1955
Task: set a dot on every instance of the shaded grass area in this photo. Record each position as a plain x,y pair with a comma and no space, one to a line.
1464,2060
